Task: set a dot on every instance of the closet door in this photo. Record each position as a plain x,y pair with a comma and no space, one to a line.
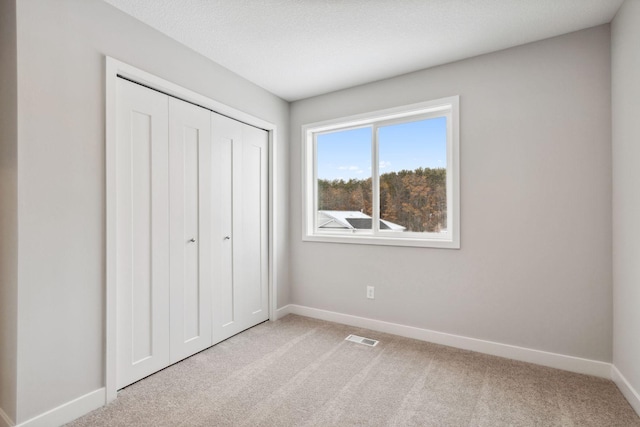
240,230
142,263
190,230
250,226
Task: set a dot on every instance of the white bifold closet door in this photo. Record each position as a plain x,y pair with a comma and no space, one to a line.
142,261
192,229
241,234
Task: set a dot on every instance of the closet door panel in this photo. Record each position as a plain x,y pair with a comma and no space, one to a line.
240,294
226,292
142,233
191,283
251,227
227,134
190,230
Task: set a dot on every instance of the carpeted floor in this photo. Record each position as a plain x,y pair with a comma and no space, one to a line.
301,372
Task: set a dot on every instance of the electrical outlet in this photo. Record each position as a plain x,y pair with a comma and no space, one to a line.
371,292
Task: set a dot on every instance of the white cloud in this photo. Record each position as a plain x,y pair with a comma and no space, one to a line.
348,168
384,164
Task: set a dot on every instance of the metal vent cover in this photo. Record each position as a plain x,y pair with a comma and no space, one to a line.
362,340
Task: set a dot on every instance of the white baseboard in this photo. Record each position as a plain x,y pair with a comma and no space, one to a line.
69,411
282,311
538,357
5,421
627,390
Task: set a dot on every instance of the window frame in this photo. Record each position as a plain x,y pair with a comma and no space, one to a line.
444,107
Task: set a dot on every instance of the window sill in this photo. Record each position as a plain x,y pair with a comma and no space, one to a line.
384,241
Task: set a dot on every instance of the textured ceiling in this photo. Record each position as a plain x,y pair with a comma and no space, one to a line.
301,48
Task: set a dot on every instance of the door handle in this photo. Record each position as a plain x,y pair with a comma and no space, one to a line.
192,240
227,237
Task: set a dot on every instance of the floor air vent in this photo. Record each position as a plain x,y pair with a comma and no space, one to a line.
362,340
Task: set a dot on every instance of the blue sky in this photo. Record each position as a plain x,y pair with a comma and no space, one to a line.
347,154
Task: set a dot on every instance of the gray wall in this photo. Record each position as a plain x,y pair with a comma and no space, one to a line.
61,48
535,264
8,207
534,268
625,55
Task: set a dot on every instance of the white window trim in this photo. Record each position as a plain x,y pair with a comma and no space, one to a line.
448,107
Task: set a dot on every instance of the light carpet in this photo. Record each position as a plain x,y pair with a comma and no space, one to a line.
301,372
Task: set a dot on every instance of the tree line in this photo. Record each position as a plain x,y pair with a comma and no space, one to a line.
415,199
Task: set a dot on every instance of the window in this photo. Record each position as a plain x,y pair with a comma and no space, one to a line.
387,178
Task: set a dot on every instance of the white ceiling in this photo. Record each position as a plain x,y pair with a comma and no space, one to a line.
301,48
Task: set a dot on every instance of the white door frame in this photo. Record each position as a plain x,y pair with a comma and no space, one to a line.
115,68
